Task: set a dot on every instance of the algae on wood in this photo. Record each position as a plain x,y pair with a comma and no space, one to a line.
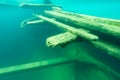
92,18
80,32
90,23
109,48
61,39
40,64
68,37
102,25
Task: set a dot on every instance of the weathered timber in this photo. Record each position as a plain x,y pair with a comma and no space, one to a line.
109,48
34,22
110,27
108,70
80,32
28,5
92,18
60,39
87,58
40,64
69,37
37,6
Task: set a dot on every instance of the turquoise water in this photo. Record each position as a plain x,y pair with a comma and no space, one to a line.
22,45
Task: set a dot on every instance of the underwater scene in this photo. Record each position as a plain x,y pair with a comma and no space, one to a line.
59,39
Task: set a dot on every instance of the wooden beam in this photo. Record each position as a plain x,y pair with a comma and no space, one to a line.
40,64
35,22
106,26
37,6
80,32
61,39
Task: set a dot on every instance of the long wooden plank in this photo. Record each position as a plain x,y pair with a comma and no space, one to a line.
40,64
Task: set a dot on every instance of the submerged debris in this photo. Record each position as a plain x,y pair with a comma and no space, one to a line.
86,25
80,32
61,39
106,26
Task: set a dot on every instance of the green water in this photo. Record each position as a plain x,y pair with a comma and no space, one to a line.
24,45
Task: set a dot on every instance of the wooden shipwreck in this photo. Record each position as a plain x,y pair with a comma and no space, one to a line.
76,27
86,26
